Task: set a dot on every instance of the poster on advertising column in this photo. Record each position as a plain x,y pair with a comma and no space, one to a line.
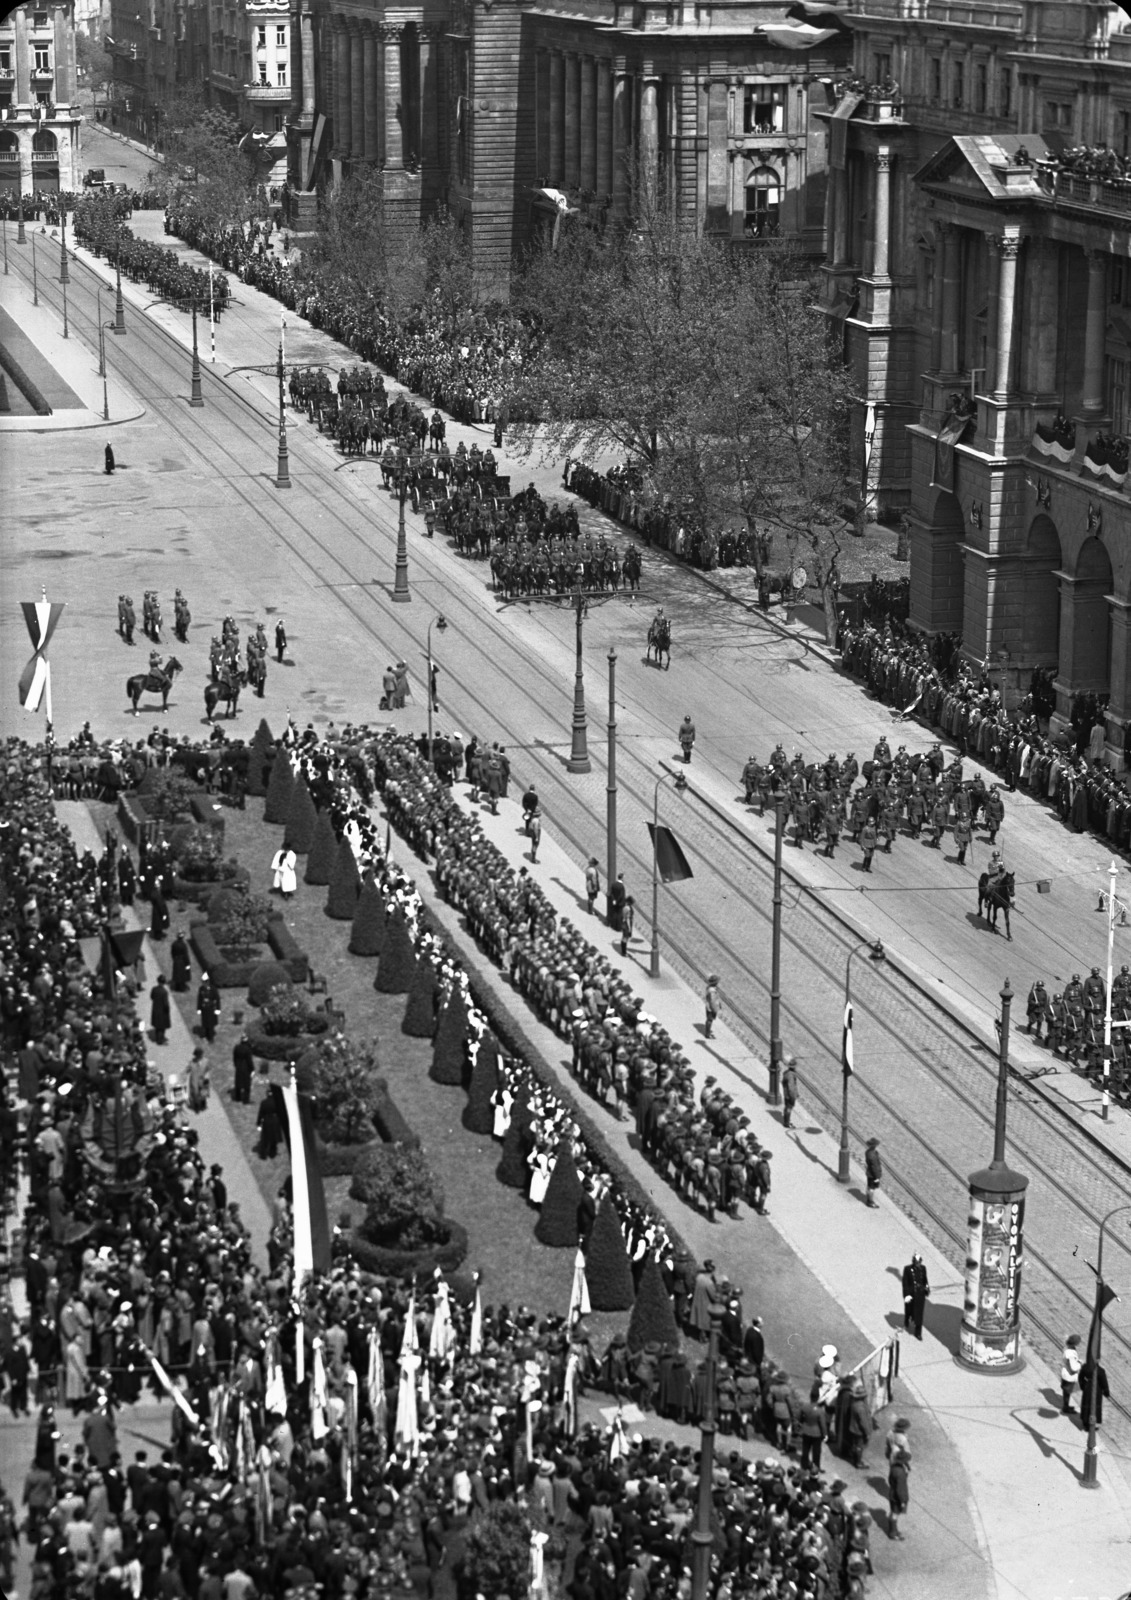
991,1321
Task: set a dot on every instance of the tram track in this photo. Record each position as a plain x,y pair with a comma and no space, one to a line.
1076,1183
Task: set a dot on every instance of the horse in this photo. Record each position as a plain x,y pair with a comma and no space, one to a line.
153,683
660,640
996,897
227,689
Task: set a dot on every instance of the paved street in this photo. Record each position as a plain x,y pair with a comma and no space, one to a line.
194,506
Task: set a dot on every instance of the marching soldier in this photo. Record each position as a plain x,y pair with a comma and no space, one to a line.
1095,992
1037,1008
750,774
1074,993
995,812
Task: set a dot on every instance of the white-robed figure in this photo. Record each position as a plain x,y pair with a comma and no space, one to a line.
283,866
541,1167
504,1103
407,1431
442,1340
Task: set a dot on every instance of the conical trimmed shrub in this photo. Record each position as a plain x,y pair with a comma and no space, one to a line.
652,1315
280,787
557,1220
512,1169
397,966
420,1012
302,820
448,1058
367,936
323,852
261,742
345,885
607,1266
479,1112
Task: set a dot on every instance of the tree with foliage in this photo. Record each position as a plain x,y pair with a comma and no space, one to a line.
168,793
496,1556
261,742
653,1319
607,1267
92,57
204,139
344,1080
479,1112
239,922
397,966
420,1010
280,787
302,819
271,982
448,1049
403,1198
323,852
345,884
367,935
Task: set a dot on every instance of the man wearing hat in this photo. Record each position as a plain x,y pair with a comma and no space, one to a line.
898,1451
873,1170
916,1288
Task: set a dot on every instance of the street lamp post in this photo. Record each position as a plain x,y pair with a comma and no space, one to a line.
102,326
197,398
701,1537
21,231
5,222
1095,1338
119,306
283,464
400,574
611,789
680,783
875,950
64,270
34,275
775,958
66,329
579,750
440,622
101,342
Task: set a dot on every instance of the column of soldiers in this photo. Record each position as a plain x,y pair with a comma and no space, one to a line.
897,792
224,654
1072,1023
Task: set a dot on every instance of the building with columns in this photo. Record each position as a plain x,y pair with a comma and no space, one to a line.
980,259
39,117
485,105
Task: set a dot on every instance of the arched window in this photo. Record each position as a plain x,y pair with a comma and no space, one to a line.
763,203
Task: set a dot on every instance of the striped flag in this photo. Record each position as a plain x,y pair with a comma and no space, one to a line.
42,618
311,1225
846,1042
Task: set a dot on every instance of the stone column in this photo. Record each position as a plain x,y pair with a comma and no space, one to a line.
429,98
27,172
937,301
357,94
993,282
369,93
881,237
1092,398
620,141
1042,281
572,162
394,135
1009,248
588,94
341,87
542,115
650,132
604,114
306,33
952,284
557,118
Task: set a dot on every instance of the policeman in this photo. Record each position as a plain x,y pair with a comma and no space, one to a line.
750,774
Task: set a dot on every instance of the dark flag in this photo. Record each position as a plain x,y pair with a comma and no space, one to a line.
846,1061
1104,1296
671,862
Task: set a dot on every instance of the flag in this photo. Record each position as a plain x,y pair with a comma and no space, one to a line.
319,1396
42,618
846,1042
579,1294
171,1389
311,1225
375,1384
618,1441
1104,1297
475,1338
275,1389
407,1430
349,1448
441,1341
671,863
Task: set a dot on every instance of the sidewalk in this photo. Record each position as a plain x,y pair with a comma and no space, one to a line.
218,1141
977,1439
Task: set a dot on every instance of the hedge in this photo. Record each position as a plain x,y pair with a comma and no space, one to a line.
390,1124
201,888
302,819
607,1267
397,1263
238,974
367,935
653,1317
420,1012
280,786
287,1046
558,1224
448,1055
261,742
288,950
338,1160
479,1112
268,975
345,884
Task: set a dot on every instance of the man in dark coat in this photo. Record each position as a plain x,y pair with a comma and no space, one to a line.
127,879
182,963
754,1344
873,1169
916,1288
160,1014
243,1063
617,896
208,1005
280,640
159,912
1091,1376
269,1131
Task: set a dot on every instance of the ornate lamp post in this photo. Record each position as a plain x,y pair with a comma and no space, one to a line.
875,950
64,270
197,398
701,1538
401,590
440,622
119,306
579,751
680,783
21,231
283,465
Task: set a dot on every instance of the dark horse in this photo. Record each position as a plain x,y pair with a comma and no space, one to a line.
227,689
660,640
996,897
153,683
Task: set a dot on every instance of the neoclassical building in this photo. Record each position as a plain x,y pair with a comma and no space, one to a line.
515,114
39,117
979,255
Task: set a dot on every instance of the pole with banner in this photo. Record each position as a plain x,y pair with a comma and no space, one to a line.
42,618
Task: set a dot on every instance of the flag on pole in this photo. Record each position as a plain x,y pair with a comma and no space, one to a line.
671,863
846,1061
172,1391
375,1384
579,1294
275,1389
42,618
618,1441
442,1339
349,1448
1104,1296
475,1338
311,1225
319,1396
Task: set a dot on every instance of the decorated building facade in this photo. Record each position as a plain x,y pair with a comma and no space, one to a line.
39,115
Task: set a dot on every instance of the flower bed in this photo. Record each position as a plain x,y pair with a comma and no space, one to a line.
385,1262
227,974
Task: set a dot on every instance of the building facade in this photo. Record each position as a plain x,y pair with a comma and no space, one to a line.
39,116
980,256
512,113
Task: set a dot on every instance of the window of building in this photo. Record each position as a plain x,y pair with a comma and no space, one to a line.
261,36
42,58
763,203
1058,114
39,19
43,99
936,79
881,66
263,74
981,87
281,75
1123,135
280,36
278,122
1005,92
764,108
1117,394
958,85
5,61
